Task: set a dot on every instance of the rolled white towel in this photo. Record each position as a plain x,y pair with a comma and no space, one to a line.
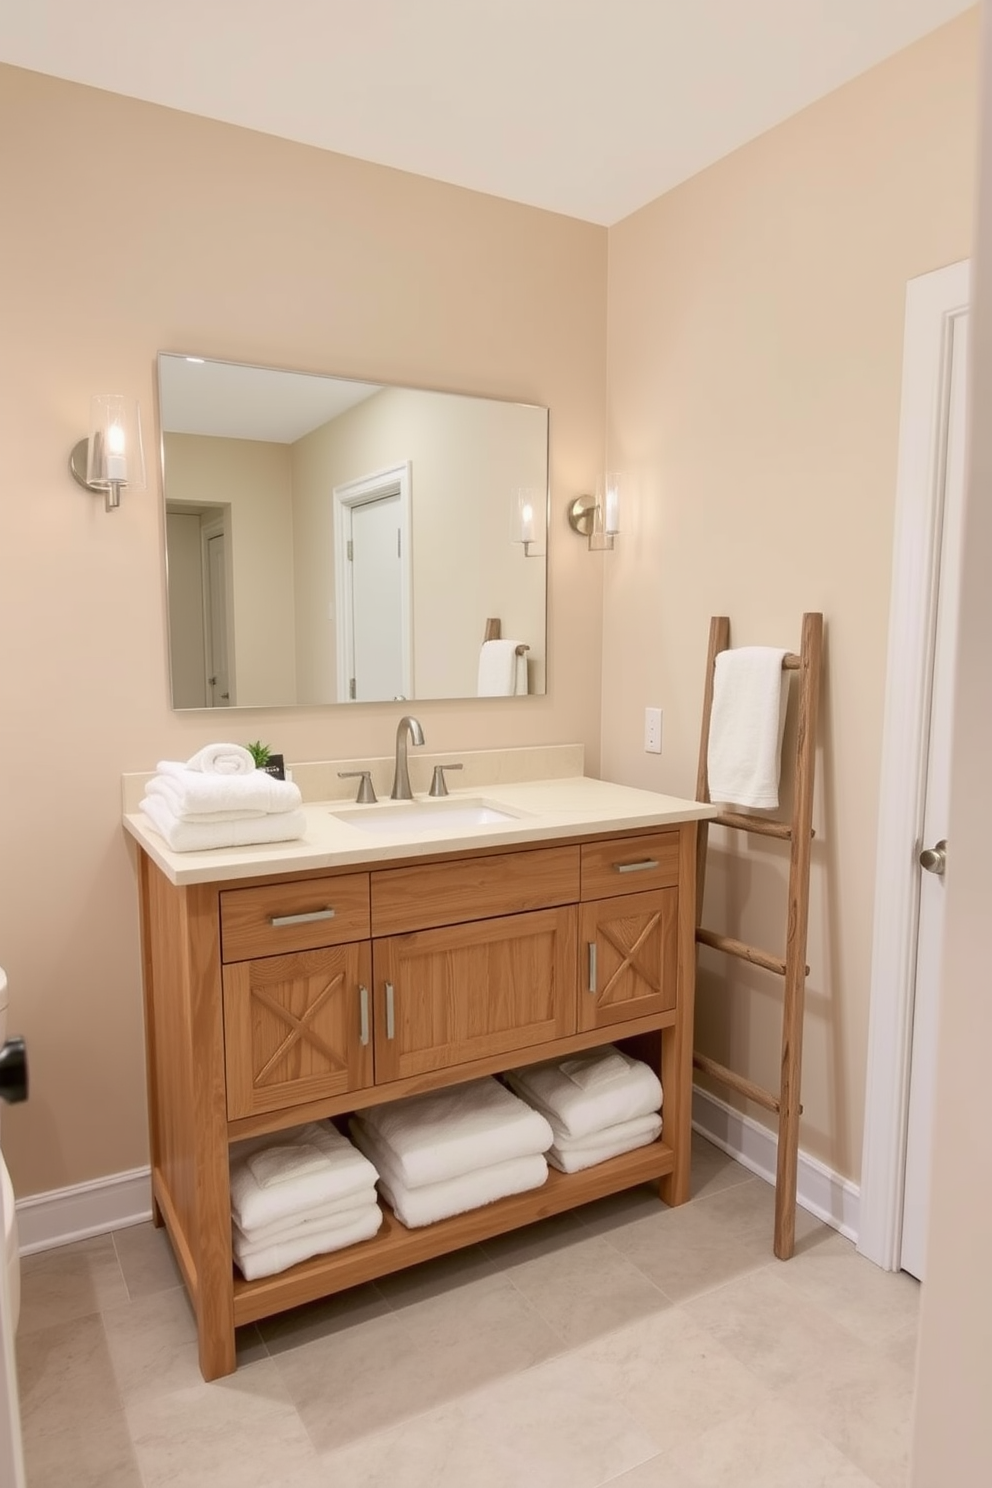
576,1112
346,1172
430,1138
222,759
267,1260
185,835
571,1156
335,1211
188,793
431,1202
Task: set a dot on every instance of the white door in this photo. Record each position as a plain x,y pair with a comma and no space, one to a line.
376,613
11,1452
916,1195
218,673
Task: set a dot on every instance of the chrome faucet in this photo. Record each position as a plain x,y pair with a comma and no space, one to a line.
407,728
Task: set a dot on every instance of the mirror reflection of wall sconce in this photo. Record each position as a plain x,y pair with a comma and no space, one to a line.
598,517
527,503
112,456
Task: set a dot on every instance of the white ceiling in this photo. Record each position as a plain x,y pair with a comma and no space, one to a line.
236,402
587,107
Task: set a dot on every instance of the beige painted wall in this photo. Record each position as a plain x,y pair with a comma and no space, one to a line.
953,1425
755,347
467,456
232,244
253,478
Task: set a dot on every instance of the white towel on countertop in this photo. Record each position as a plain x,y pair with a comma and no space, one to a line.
334,1212
253,1262
570,1156
222,759
575,1113
744,758
441,1135
188,793
502,673
431,1202
183,835
346,1172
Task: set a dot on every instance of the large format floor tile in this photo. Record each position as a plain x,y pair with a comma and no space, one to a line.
625,1343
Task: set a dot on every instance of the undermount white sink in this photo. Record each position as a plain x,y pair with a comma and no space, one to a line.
425,816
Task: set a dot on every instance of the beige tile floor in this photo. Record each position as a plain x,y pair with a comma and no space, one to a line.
623,1343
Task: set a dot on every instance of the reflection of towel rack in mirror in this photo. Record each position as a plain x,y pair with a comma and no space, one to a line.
494,630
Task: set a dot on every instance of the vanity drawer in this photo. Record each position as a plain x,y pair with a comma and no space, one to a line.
277,918
418,898
628,865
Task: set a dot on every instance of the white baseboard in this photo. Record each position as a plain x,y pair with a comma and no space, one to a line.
67,1214
821,1191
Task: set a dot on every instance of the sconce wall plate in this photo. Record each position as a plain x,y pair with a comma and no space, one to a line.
581,514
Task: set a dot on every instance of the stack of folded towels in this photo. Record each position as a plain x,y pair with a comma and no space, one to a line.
219,799
298,1195
599,1105
453,1150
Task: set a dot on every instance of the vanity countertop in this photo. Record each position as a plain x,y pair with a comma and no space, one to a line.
538,810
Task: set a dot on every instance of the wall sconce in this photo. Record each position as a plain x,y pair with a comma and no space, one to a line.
528,502
598,517
112,456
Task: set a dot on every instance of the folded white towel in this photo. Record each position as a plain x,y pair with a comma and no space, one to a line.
430,1138
744,758
277,1257
502,673
222,759
189,793
597,1069
183,835
574,1112
285,1163
334,1212
346,1172
572,1156
431,1202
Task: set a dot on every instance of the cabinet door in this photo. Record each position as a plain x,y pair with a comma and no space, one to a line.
628,954
465,992
297,1028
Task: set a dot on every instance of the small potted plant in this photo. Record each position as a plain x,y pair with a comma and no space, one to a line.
265,760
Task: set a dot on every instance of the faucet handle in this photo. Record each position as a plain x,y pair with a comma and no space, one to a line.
439,786
366,794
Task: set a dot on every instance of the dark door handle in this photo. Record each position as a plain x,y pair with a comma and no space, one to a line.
14,1071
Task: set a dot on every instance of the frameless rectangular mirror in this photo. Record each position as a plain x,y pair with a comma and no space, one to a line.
331,541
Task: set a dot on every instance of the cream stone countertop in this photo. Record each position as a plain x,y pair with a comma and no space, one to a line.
537,810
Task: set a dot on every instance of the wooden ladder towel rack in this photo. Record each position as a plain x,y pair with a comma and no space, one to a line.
494,631
798,832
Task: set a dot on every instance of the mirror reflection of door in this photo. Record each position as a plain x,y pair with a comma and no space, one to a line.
217,663
372,556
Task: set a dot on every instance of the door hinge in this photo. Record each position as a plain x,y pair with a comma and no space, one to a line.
352,689
351,551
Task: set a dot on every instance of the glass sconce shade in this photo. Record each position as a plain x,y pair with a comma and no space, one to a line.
525,509
113,455
598,519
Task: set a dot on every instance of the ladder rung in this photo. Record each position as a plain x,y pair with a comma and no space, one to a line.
740,949
737,1082
791,662
759,824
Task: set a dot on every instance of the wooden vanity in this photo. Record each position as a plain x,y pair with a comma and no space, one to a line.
276,998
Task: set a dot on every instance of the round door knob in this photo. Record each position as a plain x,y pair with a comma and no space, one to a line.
934,859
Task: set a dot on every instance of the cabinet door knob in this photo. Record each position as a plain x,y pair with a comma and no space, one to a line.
390,1012
592,966
363,995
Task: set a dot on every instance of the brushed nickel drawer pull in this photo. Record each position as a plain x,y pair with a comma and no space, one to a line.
390,1012
363,993
302,919
592,966
640,867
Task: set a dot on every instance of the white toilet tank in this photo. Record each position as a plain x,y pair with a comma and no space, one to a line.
10,1252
